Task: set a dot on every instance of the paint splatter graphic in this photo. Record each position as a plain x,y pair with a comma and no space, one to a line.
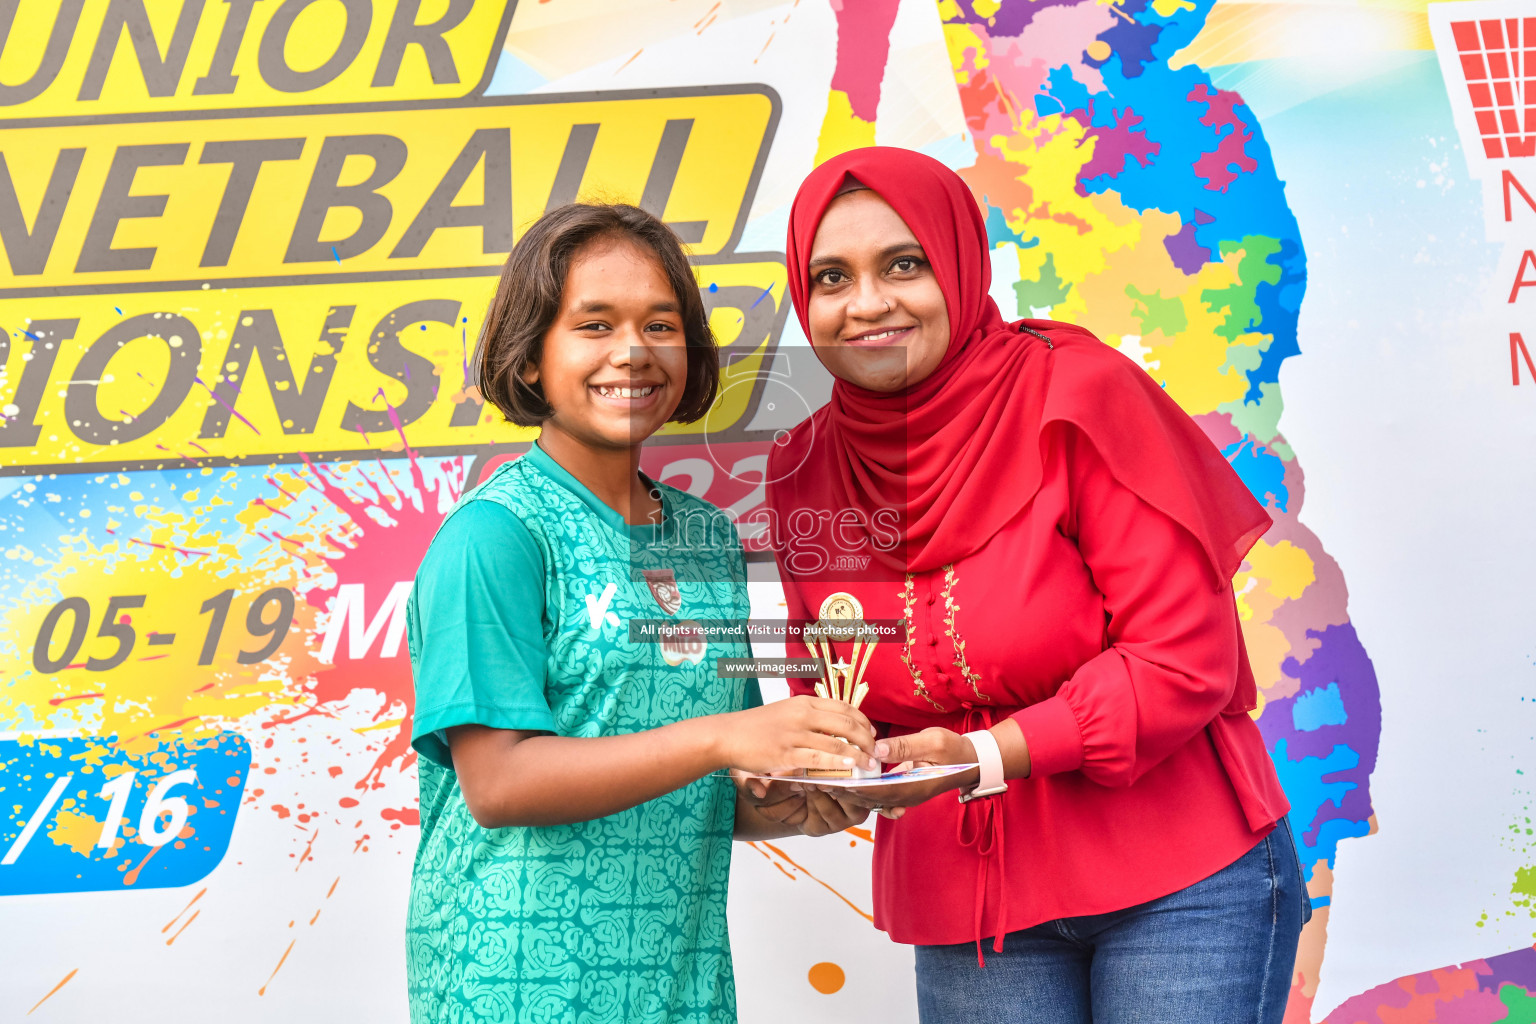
1136,198
252,602
1140,200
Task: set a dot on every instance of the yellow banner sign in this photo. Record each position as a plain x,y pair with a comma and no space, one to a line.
333,369
348,192
91,58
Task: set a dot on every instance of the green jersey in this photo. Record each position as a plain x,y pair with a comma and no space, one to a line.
519,620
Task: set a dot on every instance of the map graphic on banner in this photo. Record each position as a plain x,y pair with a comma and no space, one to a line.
1139,200
248,248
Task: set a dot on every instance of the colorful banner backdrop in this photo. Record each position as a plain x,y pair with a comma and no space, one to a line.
247,250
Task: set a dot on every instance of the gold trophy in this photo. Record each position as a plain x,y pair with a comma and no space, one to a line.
841,618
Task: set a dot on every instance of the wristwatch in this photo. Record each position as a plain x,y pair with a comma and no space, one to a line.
990,757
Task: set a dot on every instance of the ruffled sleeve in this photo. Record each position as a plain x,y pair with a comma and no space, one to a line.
1152,446
1173,644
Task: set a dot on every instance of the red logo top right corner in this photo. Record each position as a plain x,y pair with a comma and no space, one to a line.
1497,57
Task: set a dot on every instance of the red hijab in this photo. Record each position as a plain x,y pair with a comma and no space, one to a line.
959,454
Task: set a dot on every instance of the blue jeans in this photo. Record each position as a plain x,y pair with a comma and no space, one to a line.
1220,951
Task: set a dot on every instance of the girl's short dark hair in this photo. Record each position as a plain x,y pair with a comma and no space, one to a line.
528,299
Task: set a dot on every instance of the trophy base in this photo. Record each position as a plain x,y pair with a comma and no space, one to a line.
841,773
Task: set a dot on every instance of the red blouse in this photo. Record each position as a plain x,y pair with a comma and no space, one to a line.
1091,619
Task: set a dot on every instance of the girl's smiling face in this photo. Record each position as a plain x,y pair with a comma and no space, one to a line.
878,318
613,364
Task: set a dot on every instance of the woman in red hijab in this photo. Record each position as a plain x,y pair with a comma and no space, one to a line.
1060,539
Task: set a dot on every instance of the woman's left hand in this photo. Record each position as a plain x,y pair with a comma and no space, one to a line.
931,746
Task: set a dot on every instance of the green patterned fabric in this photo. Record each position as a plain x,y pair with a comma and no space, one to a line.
519,620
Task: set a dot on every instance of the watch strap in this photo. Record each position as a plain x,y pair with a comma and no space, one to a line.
990,758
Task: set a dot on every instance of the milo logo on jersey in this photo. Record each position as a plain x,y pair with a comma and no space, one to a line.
683,643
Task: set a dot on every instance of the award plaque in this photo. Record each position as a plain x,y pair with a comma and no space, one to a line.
841,619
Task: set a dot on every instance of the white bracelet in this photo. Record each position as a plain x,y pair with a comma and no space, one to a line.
990,757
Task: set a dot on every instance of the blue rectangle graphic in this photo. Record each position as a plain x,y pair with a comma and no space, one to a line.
82,815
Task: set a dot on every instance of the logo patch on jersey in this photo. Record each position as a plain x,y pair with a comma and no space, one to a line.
683,642
663,584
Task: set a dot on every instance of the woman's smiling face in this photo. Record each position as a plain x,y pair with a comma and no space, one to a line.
878,319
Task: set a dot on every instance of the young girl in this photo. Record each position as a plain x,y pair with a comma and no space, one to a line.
574,850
